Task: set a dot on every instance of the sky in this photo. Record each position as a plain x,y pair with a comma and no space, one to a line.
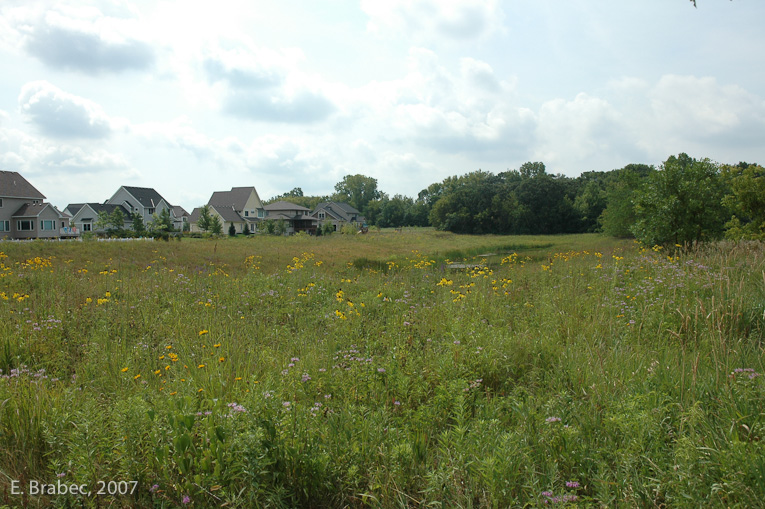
193,96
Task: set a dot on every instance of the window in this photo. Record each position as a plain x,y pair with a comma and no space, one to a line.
86,227
1,203
246,213
5,226
261,213
47,225
25,225
151,210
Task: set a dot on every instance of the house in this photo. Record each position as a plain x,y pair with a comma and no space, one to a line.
338,214
144,201
225,214
180,218
84,216
24,213
244,201
297,217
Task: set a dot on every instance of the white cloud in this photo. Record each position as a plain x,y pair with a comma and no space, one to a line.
30,155
81,38
433,19
58,114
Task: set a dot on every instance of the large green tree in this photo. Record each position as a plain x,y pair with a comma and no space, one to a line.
357,191
746,200
681,202
618,217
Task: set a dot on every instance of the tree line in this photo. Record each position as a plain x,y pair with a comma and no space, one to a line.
684,200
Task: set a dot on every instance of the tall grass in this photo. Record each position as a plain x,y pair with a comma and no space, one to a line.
363,370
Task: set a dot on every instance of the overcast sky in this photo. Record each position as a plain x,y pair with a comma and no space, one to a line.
195,96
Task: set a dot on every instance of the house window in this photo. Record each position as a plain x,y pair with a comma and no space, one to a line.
321,215
47,225
150,211
5,226
25,225
246,213
86,227
261,213
1,202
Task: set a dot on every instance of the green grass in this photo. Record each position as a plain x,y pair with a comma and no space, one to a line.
350,371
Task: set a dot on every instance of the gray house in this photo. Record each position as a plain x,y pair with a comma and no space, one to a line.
338,214
25,215
144,201
85,215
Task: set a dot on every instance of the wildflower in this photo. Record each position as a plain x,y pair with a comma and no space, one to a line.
124,370
216,345
221,359
154,488
62,474
572,484
137,376
306,377
381,370
203,332
201,366
552,419
186,499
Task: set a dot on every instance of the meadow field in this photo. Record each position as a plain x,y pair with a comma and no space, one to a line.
411,369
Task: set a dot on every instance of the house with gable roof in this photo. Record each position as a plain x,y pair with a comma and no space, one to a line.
144,201
25,215
297,217
226,215
338,214
244,201
84,216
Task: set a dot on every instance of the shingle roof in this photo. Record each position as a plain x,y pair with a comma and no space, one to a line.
284,205
147,196
228,214
74,208
31,209
236,198
343,210
13,185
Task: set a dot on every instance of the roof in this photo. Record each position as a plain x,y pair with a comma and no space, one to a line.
75,208
32,210
179,211
284,205
236,198
340,210
226,213
13,185
146,196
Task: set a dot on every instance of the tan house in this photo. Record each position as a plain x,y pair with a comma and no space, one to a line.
244,201
226,215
